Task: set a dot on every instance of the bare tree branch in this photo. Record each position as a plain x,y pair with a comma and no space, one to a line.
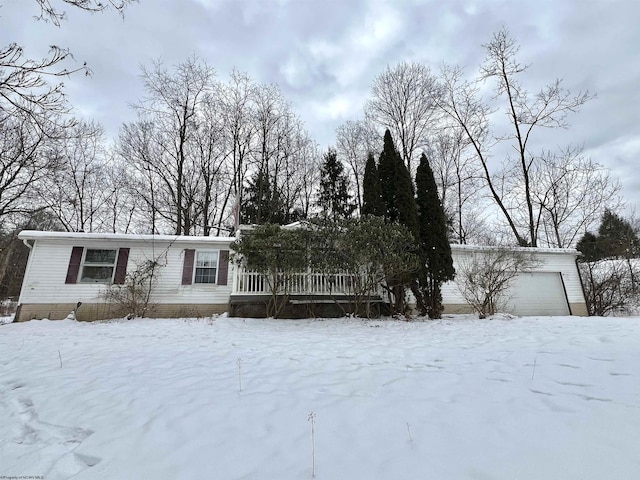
49,12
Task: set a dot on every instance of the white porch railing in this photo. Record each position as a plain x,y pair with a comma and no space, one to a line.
306,283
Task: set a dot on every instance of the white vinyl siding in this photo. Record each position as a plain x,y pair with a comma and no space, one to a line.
49,261
534,296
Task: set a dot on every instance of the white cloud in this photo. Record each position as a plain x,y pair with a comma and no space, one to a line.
336,107
294,72
621,155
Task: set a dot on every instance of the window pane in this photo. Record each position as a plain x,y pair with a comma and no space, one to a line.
205,275
100,256
207,259
91,274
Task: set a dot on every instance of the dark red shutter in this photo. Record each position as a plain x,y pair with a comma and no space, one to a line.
187,268
74,265
121,266
223,268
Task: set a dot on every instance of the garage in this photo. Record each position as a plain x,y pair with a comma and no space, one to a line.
538,293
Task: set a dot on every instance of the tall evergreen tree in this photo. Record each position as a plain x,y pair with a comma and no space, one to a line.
590,248
434,244
399,207
386,174
372,203
404,198
396,187
335,199
616,236
261,203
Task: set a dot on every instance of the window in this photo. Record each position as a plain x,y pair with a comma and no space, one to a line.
206,266
98,265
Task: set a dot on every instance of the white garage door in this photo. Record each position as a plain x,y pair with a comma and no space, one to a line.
539,293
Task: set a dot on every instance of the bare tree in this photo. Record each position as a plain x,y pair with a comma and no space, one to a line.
269,143
526,113
26,157
133,296
124,203
307,175
277,133
270,123
404,100
354,141
209,144
297,173
237,112
137,148
77,191
459,180
163,139
570,192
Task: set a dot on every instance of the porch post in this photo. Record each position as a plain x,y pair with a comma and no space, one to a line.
236,272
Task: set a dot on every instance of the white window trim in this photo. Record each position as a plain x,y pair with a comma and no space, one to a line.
82,265
195,266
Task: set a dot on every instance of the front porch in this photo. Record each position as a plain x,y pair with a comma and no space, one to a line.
302,295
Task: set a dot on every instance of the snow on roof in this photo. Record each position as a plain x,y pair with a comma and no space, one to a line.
455,246
475,248
120,237
130,237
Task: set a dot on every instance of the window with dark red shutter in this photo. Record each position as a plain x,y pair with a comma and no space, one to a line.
74,265
121,266
223,268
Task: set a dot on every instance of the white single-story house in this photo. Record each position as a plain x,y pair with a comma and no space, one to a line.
194,277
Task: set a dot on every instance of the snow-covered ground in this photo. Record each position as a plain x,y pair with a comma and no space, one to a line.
460,398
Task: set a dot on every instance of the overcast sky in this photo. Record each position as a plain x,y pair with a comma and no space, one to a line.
324,54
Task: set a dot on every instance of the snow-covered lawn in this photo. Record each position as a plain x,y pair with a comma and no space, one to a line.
460,398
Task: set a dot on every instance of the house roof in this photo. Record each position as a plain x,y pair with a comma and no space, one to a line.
120,237
146,238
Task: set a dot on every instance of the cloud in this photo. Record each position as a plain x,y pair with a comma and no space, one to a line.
621,156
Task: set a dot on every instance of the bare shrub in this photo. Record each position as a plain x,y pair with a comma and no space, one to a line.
611,286
135,293
484,279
